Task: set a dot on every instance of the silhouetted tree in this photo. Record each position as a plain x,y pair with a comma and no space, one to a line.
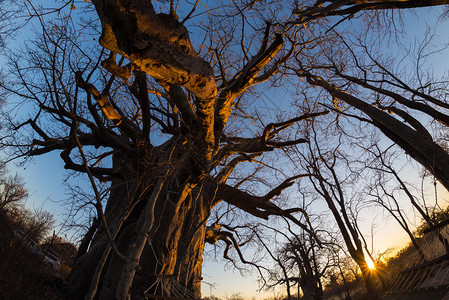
335,181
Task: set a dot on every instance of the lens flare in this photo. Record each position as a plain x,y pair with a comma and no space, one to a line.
370,263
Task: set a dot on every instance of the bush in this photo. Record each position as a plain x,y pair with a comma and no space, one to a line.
23,274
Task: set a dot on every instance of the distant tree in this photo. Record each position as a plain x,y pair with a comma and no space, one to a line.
23,273
236,296
302,261
387,196
301,251
13,196
335,181
12,192
211,298
341,275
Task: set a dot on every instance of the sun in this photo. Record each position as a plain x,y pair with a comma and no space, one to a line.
370,263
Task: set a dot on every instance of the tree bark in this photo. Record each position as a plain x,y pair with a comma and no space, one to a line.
150,238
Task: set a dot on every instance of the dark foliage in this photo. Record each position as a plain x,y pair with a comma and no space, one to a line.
23,274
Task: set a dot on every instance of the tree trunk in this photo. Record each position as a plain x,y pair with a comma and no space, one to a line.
369,277
172,242
309,280
310,287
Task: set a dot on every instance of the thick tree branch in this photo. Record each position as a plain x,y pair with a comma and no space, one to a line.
260,206
215,233
425,151
117,70
103,174
441,117
98,138
409,119
157,43
224,174
266,141
350,7
179,98
160,46
144,101
244,79
102,99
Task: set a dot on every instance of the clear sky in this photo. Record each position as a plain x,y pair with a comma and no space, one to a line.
45,180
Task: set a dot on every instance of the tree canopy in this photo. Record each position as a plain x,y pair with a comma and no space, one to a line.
158,116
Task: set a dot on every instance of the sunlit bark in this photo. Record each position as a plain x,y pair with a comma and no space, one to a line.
161,196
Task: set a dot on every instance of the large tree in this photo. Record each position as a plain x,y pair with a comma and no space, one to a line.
156,124
155,130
